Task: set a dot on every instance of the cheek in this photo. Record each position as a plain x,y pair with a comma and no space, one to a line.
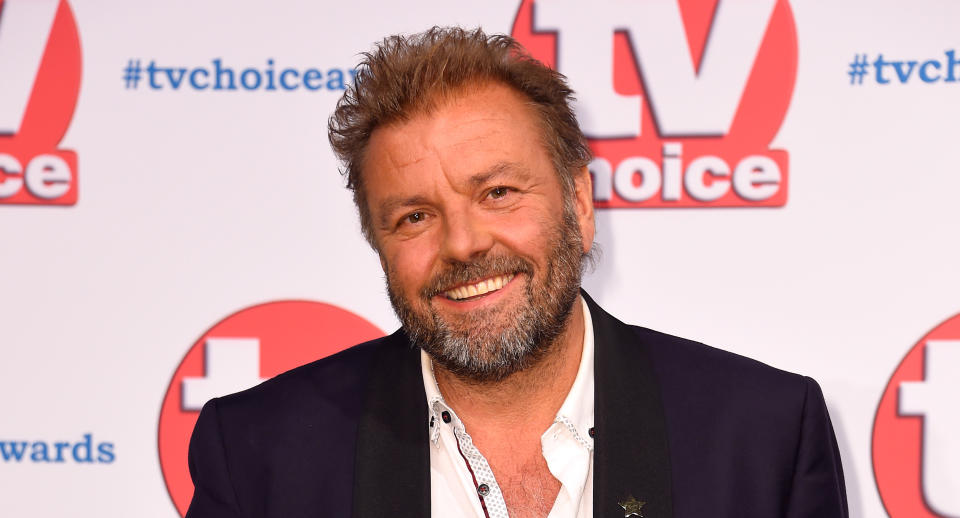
409,266
528,234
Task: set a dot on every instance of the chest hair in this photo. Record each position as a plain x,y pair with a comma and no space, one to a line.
528,487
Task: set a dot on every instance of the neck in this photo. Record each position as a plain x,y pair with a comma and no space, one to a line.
529,398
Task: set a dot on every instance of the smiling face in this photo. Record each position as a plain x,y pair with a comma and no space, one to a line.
481,250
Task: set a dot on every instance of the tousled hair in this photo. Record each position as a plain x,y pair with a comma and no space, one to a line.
408,75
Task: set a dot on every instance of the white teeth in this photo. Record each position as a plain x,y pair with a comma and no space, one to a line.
480,288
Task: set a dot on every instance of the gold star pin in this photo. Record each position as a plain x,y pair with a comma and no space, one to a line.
632,507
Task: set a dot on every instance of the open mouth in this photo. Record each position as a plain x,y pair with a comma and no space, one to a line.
469,291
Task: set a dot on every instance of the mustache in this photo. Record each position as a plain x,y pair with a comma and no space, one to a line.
458,273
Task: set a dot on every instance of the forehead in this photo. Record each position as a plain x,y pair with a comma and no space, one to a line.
463,130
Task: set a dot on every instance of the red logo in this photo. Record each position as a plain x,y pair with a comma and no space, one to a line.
916,444
237,353
679,100
40,67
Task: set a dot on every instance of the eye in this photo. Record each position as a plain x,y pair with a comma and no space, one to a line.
413,218
499,192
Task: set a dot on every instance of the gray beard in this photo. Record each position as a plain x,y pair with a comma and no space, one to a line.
469,347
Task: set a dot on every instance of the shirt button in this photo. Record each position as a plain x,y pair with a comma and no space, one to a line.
446,416
592,432
483,489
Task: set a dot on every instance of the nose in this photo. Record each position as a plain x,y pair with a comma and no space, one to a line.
466,236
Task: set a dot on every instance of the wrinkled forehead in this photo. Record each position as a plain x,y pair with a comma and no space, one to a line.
465,113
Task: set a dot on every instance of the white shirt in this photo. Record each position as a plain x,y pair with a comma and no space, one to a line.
461,481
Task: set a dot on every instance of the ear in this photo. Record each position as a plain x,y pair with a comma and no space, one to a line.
583,205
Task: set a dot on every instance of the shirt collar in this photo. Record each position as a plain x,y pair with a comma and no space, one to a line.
576,410
435,402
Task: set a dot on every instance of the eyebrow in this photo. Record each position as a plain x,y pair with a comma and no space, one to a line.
512,169
390,205
499,169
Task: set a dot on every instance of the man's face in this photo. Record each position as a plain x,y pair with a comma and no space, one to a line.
482,255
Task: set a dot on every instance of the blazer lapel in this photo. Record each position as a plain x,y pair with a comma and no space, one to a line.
392,465
631,457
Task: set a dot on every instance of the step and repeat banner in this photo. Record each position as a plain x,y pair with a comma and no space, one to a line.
778,179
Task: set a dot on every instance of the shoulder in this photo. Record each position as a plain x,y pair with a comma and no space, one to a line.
687,366
735,422
273,445
690,359
697,379
334,385
298,426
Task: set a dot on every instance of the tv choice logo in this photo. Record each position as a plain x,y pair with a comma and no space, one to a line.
239,352
84,451
40,63
674,118
902,71
219,76
916,444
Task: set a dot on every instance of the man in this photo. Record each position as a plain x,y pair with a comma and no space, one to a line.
508,391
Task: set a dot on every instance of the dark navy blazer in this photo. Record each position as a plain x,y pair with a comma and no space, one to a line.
693,431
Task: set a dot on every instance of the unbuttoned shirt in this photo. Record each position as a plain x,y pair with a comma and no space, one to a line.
461,481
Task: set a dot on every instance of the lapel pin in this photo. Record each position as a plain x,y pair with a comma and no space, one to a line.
632,507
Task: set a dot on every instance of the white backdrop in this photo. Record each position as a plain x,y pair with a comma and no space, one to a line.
194,204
